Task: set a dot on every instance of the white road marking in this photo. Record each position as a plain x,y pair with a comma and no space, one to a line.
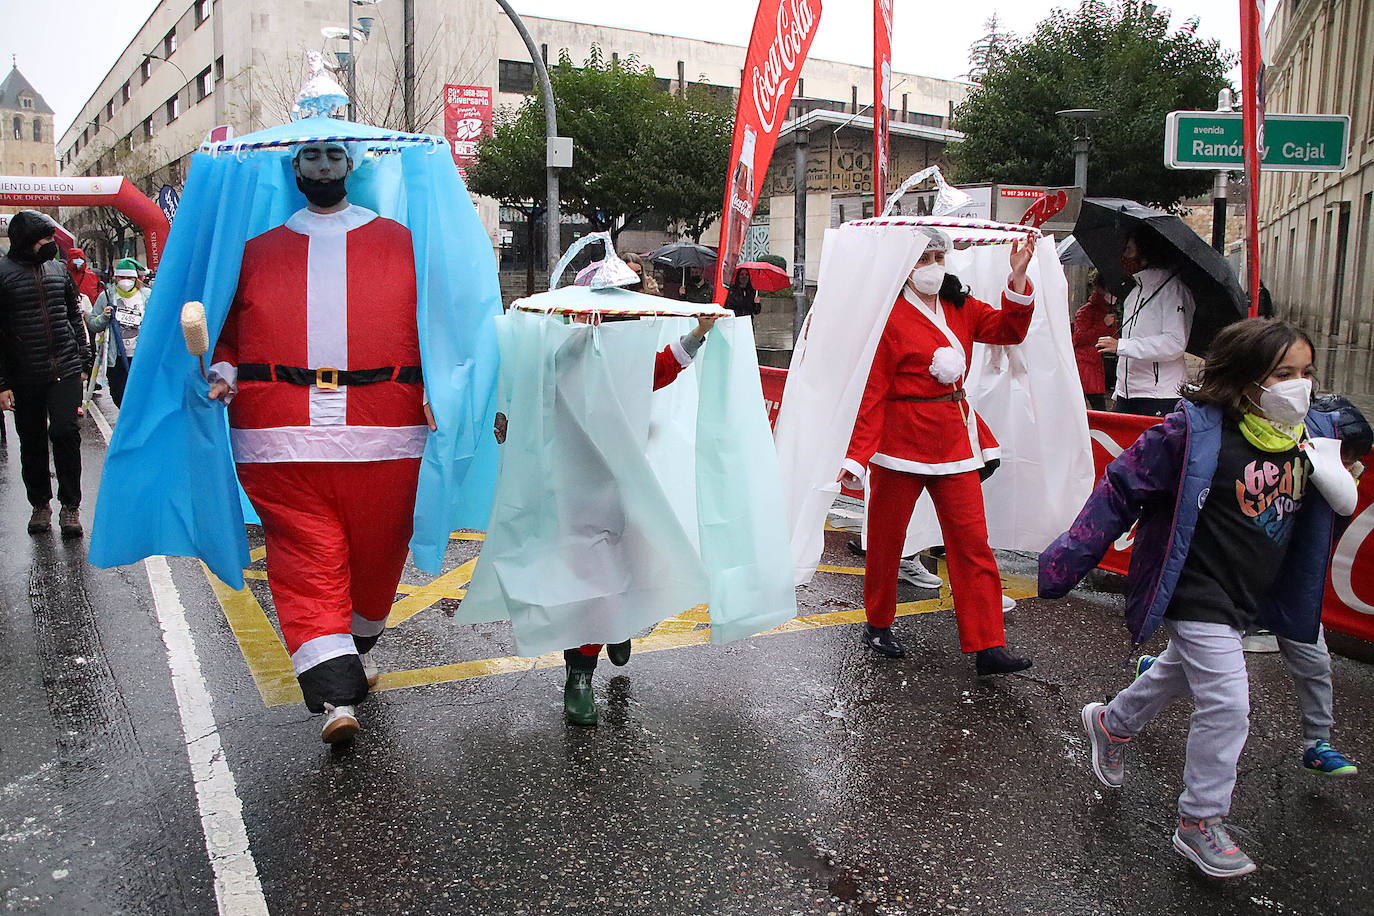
237,888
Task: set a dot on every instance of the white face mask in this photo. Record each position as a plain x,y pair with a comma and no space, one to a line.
1287,402
78,263
927,280
125,286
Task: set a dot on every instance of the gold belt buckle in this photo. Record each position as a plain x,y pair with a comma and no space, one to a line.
327,378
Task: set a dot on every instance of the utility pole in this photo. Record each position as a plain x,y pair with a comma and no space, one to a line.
801,139
408,31
1219,186
551,124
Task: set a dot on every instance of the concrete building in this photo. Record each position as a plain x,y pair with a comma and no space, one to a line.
1317,228
196,64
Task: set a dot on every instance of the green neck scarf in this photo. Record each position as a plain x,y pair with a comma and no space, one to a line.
1268,436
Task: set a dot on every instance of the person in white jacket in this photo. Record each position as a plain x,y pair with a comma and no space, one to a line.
1156,318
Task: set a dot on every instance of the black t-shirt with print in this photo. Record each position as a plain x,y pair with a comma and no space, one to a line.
1242,532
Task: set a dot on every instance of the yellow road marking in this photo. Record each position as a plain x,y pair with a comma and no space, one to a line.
449,585
262,648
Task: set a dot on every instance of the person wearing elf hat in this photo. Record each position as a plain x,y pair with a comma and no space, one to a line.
319,362
123,307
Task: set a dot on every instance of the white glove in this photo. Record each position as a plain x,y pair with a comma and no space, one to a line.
1329,473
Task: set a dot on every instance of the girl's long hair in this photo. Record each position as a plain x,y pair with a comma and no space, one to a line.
953,291
1242,354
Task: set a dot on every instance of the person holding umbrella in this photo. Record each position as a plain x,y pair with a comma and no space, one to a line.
1157,317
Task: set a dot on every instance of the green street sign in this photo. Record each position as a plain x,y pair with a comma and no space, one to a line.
1212,140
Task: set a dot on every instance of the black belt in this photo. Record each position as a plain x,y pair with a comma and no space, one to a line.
957,395
328,378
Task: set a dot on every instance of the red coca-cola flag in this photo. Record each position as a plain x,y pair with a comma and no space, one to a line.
882,97
783,30
1252,120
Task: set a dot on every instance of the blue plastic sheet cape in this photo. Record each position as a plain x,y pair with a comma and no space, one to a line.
168,485
617,506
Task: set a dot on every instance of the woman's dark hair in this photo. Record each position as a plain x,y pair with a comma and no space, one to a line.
1155,251
1242,354
953,291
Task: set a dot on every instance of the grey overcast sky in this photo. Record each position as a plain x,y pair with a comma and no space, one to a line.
66,52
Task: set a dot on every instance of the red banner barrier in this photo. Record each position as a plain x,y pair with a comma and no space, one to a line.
783,30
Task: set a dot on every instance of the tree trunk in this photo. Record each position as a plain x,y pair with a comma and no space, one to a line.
529,259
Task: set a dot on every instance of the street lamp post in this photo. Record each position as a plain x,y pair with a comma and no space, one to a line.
151,56
1082,142
551,126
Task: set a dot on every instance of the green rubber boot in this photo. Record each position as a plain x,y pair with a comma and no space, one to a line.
579,704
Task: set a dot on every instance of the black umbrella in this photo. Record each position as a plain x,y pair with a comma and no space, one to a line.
1104,224
681,255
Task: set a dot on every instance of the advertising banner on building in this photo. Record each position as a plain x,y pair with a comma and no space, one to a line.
467,119
1252,108
783,30
882,97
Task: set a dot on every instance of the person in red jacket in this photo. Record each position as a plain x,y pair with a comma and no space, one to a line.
916,431
1094,320
88,285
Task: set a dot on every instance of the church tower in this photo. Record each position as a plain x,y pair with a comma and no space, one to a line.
27,143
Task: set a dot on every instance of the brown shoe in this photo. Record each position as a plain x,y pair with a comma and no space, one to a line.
69,520
41,520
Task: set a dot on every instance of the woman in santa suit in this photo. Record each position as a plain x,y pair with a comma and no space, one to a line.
916,431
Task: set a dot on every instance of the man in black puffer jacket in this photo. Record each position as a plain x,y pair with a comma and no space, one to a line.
42,353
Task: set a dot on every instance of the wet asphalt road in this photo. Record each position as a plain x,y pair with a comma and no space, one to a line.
789,773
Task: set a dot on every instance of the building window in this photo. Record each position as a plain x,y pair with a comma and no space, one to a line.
515,76
130,140
33,169
37,131
173,108
124,94
204,84
26,101
169,43
109,110
146,71
18,128
148,128
219,69
202,12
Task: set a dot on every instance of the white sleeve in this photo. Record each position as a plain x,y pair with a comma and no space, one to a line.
224,372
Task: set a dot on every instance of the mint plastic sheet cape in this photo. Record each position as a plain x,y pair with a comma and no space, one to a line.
617,506
168,485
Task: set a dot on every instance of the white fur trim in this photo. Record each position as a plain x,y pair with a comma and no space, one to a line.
947,366
321,649
327,443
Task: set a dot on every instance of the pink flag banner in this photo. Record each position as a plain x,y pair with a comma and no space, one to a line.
882,97
1252,119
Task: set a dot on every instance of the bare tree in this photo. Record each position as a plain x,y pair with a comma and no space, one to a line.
988,51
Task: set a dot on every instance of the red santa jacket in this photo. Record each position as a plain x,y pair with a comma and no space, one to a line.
921,436
325,291
1089,324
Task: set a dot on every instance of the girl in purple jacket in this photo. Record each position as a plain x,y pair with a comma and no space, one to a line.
1236,494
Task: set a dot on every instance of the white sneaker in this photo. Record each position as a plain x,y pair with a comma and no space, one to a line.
340,725
1008,604
370,669
912,571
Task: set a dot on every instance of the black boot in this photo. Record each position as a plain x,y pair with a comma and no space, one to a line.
881,640
618,653
998,660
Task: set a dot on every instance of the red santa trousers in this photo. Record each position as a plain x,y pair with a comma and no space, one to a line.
973,575
337,535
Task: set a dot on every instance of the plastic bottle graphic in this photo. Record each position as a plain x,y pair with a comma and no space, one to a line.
741,209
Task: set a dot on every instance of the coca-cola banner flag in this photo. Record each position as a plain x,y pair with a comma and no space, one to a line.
783,30
1252,120
467,119
882,97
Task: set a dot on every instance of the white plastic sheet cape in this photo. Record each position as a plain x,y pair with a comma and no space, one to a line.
617,506
1029,394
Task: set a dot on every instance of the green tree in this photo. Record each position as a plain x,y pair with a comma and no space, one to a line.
510,169
1120,57
636,149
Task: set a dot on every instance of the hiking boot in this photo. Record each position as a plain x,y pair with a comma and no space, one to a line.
1325,760
69,520
340,724
912,571
40,520
881,640
618,652
1207,844
579,703
1108,751
997,660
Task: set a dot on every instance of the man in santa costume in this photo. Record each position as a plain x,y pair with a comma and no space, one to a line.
319,360
916,431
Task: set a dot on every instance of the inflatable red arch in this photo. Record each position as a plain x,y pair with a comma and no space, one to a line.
106,191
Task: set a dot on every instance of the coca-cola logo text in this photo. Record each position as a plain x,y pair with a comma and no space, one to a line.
773,81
